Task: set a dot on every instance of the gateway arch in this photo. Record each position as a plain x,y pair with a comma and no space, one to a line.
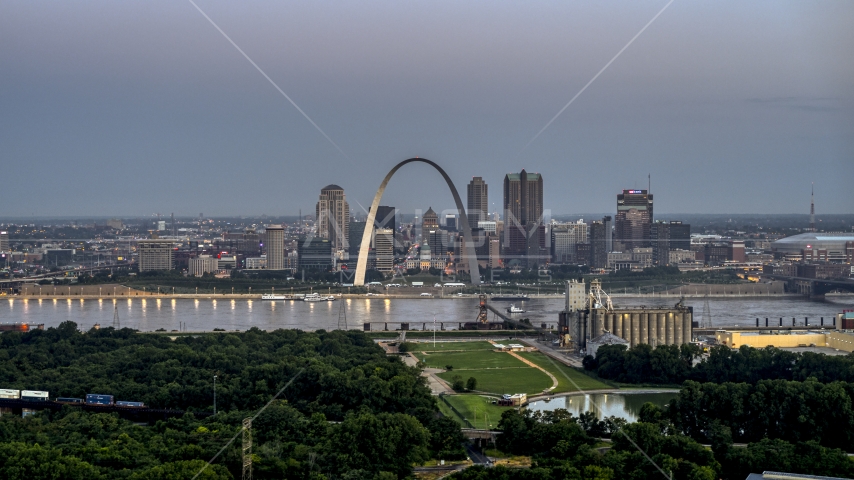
468,248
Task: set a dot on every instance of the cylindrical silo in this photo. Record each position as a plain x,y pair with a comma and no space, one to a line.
635,329
609,322
677,327
598,322
662,329
618,325
653,329
644,328
669,329
687,327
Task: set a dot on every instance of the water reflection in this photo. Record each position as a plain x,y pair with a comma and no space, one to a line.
622,405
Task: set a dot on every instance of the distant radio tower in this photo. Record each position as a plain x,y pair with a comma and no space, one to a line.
812,207
116,324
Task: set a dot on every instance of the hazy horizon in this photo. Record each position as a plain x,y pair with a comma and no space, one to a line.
126,109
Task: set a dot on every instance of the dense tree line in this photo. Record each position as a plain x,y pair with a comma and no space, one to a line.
670,364
562,448
350,409
776,409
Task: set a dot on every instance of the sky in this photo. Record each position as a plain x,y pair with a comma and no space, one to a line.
137,107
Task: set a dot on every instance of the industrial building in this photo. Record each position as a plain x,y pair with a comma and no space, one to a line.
637,325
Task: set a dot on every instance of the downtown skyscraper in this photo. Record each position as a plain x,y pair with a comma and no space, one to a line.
477,207
524,230
333,217
634,219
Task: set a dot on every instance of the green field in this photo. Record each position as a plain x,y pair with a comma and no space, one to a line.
477,409
470,360
504,380
451,346
558,369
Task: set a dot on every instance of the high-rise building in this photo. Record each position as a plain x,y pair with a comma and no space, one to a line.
451,222
430,221
275,247
598,249
355,233
155,254
667,237
4,241
477,207
523,198
524,231
634,219
438,241
564,238
386,218
384,242
333,216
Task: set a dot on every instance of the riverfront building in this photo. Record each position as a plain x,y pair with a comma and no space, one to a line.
155,254
275,247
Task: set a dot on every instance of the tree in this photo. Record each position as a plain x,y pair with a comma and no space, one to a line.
471,384
457,383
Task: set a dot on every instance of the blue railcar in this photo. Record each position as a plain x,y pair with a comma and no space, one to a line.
96,399
68,400
130,404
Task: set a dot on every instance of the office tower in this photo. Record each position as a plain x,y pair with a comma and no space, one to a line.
333,216
667,237
355,233
275,247
523,198
384,242
634,218
477,206
598,252
524,231
451,222
155,254
4,241
438,241
386,218
564,238
430,221
313,253
608,222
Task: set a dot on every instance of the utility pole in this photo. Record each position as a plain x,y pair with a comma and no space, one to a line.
214,390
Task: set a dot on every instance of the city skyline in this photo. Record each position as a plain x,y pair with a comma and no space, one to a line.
148,106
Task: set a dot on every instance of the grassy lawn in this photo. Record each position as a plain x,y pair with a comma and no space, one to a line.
488,414
504,380
451,346
558,369
476,359
446,411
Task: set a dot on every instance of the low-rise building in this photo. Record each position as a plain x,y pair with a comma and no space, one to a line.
203,264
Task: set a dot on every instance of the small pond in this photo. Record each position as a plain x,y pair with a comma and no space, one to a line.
625,405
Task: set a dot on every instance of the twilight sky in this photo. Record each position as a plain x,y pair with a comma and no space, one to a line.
135,107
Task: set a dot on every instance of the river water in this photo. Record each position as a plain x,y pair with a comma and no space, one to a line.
206,314
625,405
